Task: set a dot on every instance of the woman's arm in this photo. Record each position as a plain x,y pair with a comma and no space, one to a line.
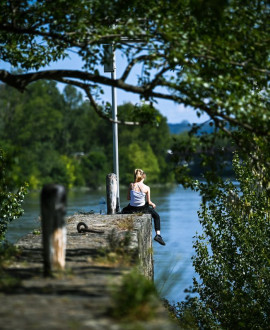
128,193
148,198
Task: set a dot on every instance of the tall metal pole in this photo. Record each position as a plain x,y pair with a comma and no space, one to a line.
115,132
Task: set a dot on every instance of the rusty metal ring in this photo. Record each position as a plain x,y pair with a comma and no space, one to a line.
80,229
83,228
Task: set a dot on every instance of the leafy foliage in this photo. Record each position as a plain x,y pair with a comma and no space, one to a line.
8,253
232,255
10,202
60,138
135,299
211,56
204,156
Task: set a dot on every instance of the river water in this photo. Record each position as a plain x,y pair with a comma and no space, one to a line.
179,223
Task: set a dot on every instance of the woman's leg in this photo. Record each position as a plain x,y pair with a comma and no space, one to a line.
156,218
149,210
145,209
127,209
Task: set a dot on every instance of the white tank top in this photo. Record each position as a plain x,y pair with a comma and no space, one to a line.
137,198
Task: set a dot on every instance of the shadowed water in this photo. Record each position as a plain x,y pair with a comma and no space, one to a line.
179,222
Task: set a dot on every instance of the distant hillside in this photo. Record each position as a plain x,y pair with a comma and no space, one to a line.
185,126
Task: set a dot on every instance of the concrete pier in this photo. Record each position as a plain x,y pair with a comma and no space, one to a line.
80,297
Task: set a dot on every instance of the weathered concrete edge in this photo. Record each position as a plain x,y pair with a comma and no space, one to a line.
143,228
140,235
140,244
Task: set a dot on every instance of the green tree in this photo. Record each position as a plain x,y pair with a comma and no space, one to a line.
142,156
202,155
153,133
214,58
59,135
232,255
95,168
37,118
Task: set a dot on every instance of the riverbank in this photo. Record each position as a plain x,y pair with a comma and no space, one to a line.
103,187
81,297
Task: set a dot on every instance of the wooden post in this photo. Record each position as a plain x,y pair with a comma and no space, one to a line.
53,210
111,190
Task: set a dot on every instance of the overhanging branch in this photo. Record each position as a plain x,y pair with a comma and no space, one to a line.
20,81
68,38
86,88
81,79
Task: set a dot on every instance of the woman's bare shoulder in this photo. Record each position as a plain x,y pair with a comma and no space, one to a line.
146,187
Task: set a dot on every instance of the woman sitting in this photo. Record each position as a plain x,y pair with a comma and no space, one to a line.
140,201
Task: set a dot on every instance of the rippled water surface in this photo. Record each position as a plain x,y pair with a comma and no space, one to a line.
179,222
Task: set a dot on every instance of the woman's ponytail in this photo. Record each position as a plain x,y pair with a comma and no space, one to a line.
139,175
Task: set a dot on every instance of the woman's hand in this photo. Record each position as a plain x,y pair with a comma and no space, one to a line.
153,205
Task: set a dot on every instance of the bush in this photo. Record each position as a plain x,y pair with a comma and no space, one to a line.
136,299
10,202
232,256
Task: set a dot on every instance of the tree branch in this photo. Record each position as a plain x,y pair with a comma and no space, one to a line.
101,114
156,81
86,88
214,112
132,63
20,81
61,37
33,31
234,63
